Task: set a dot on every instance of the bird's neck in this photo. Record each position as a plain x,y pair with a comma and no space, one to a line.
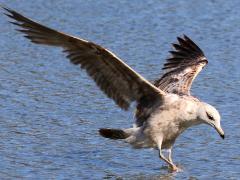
188,123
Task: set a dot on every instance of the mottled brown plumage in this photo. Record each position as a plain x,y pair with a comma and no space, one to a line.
115,78
181,69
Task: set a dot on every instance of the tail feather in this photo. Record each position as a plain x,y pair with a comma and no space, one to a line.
113,133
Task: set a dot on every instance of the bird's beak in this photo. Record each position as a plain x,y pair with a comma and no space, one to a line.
220,131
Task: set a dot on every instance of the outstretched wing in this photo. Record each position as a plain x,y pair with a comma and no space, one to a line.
115,78
182,68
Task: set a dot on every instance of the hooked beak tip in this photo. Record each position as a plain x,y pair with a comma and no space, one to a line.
220,131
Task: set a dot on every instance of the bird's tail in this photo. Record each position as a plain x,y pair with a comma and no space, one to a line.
114,133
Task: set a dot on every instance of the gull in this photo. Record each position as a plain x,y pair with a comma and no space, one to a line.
164,109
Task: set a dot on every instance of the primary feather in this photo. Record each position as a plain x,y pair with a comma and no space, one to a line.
115,78
181,69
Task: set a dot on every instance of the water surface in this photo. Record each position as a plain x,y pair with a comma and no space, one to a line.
50,111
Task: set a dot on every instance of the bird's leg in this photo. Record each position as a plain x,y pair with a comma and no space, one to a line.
169,160
174,167
170,155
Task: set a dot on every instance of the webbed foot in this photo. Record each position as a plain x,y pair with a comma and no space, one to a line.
174,168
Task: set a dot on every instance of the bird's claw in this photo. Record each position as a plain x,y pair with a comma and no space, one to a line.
174,168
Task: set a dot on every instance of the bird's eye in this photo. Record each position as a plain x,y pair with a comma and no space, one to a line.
210,117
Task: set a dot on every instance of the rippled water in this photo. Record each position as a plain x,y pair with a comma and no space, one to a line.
50,111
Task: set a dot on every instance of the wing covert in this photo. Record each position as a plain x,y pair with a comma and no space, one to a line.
115,78
182,67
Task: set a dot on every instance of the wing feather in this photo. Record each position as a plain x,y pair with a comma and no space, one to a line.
115,78
182,68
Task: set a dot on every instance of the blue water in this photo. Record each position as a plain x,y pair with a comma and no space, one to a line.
50,111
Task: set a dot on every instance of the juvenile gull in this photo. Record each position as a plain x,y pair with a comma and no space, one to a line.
164,109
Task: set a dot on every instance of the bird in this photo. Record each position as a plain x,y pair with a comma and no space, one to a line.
164,109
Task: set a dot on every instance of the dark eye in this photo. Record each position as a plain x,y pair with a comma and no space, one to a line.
210,117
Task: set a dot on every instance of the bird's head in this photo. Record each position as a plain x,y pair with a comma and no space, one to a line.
209,115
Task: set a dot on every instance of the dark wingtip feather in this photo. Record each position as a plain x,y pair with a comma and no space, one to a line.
185,36
15,23
9,13
4,7
185,52
8,10
14,15
192,43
